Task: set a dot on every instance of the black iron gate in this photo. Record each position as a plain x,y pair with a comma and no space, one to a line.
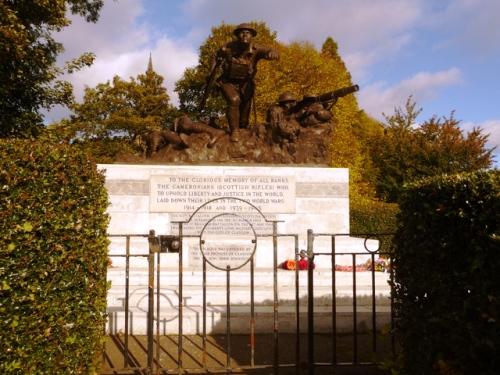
292,343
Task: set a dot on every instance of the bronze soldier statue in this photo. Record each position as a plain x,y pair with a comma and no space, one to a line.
184,125
282,122
313,113
314,110
156,139
238,60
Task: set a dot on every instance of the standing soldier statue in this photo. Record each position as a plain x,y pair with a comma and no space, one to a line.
238,60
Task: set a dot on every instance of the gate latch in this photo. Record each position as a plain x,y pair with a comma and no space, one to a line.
164,243
169,243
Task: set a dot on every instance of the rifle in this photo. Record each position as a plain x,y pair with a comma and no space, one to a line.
208,86
327,98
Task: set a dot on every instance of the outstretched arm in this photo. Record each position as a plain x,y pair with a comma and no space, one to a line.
273,54
268,53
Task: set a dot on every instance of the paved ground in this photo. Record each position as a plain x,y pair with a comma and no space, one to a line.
214,359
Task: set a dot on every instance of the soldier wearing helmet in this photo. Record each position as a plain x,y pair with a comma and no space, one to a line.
281,121
313,112
238,60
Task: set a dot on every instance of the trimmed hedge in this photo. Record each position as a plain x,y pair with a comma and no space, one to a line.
374,217
53,259
447,275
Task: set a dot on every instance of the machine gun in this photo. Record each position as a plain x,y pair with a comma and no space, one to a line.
327,99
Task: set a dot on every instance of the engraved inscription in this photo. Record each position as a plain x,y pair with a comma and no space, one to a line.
187,193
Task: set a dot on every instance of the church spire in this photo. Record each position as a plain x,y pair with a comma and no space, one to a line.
150,64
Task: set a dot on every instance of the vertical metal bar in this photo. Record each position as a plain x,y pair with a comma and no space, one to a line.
204,313
252,312
310,303
354,313
374,307
275,297
151,280
158,313
297,305
334,304
393,338
228,318
127,295
180,315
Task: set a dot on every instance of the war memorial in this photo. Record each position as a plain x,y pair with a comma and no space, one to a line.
225,231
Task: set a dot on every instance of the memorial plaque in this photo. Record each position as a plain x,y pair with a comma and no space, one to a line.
232,249
269,194
226,240
198,221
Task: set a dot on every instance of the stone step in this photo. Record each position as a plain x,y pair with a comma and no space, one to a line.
218,295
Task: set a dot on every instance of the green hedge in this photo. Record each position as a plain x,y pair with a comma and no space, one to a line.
53,259
447,275
371,216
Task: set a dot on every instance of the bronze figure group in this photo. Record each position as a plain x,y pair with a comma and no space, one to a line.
237,63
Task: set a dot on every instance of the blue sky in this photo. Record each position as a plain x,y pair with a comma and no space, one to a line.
446,53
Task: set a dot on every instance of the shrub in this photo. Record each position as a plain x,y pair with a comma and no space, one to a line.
374,217
447,262
53,257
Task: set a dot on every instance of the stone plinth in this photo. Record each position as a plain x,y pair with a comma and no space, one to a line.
238,223
145,197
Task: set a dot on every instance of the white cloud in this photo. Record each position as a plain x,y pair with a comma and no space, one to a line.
122,47
377,98
169,59
115,32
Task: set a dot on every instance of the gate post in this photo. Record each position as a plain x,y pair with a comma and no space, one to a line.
153,248
310,302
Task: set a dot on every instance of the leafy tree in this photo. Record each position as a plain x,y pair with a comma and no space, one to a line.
113,114
406,151
28,74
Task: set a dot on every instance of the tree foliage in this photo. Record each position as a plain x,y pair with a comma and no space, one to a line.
113,114
28,74
406,151
122,108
